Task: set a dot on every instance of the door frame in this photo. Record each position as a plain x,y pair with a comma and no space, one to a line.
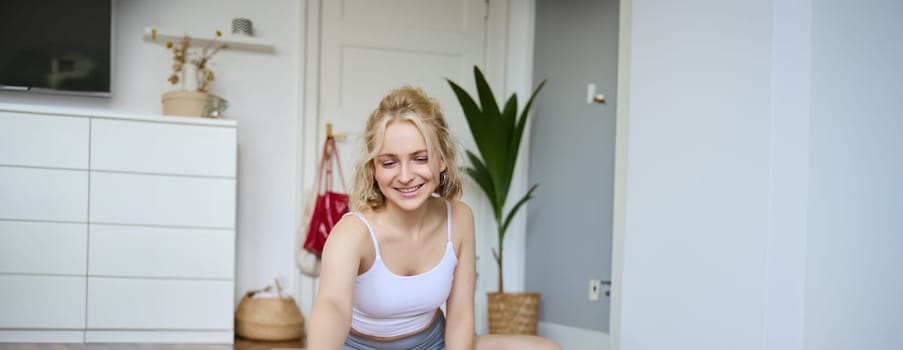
508,67
619,208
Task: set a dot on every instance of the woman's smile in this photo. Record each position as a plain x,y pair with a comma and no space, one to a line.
412,190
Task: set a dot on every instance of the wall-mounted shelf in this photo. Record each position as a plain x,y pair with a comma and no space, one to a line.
235,42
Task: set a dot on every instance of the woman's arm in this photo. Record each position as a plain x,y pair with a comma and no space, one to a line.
330,319
459,328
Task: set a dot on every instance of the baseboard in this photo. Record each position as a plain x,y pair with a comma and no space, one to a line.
169,337
41,336
573,338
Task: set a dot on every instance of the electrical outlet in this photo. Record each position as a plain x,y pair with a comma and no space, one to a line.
595,288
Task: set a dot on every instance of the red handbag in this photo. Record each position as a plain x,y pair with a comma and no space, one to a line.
330,205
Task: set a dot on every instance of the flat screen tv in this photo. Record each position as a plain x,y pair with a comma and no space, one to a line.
56,46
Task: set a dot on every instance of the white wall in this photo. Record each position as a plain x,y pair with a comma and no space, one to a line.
854,286
696,205
262,89
788,191
762,170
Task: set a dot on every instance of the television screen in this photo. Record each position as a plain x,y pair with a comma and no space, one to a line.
58,46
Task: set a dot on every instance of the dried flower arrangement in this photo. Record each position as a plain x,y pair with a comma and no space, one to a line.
183,54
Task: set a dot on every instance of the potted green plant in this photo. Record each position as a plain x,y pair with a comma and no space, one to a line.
498,136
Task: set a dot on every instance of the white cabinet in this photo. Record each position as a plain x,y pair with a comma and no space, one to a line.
43,141
177,201
43,194
124,251
44,248
158,304
116,228
163,148
42,302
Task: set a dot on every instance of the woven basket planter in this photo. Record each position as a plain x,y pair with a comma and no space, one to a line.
513,313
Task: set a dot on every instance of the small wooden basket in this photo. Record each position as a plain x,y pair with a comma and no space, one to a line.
268,319
513,313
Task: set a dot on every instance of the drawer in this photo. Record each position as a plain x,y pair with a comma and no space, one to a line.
47,302
154,200
43,248
43,140
162,252
120,303
163,148
43,194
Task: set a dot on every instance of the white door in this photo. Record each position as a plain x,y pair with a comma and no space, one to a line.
368,48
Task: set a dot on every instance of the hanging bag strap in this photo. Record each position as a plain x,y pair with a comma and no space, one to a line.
330,156
335,155
325,169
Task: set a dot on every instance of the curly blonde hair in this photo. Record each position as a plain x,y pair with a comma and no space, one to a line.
404,104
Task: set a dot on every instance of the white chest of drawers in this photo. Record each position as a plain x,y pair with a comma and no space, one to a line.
116,227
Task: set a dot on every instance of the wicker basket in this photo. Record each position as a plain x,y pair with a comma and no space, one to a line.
268,319
513,313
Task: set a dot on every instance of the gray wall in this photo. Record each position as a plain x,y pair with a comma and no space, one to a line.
572,158
853,279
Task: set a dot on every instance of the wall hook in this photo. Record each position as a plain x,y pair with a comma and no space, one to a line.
329,134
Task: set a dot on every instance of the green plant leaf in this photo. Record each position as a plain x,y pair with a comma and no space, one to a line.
514,209
483,128
487,100
508,119
492,119
481,176
508,116
519,128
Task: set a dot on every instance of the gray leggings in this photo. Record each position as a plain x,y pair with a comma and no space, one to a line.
432,338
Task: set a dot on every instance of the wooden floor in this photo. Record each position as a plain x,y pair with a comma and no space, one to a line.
240,344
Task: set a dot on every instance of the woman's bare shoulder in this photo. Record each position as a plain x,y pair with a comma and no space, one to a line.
462,223
350,229
460,210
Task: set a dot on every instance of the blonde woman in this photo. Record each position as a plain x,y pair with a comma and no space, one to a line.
407,247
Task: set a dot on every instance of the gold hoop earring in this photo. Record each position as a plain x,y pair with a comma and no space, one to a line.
443,180
373,196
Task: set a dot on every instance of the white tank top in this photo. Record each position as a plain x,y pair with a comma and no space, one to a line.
387,305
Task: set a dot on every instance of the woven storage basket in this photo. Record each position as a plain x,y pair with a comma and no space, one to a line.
513,313
268,319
